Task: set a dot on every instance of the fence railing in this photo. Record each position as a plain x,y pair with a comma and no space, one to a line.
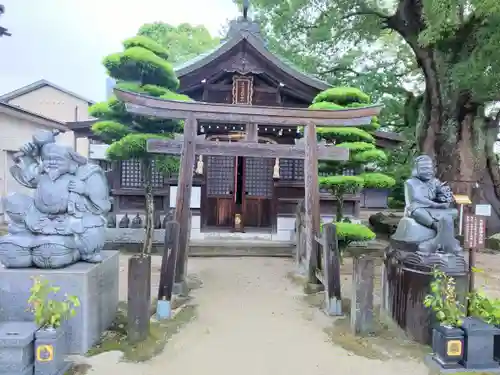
325,256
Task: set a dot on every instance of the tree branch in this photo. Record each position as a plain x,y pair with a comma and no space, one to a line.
366,12
339,69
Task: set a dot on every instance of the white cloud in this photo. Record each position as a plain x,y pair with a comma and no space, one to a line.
64,41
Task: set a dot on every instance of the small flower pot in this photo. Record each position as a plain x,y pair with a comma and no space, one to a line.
479,344
51,348
496,346
448,346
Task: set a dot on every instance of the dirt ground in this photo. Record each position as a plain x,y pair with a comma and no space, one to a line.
252,319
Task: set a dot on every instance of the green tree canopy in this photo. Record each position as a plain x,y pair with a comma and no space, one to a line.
443,51
184,41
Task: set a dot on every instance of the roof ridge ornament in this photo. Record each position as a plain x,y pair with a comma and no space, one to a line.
4,31
246,5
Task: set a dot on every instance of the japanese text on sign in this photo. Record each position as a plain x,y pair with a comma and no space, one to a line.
475,230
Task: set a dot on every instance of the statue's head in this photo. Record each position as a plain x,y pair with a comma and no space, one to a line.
424,168
58,160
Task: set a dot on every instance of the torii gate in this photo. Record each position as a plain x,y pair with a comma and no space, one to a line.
190,145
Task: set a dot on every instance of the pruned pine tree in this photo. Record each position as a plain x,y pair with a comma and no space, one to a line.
142,67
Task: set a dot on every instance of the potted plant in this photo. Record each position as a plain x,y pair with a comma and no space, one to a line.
377,187
485,316
447,336
49,313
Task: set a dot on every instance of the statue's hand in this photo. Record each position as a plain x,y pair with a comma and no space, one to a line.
29,149
442,205
77,186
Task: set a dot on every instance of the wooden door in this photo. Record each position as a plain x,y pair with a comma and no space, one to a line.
219,204
258,208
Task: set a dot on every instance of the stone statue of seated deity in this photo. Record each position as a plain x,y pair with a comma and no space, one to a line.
428,224
64,221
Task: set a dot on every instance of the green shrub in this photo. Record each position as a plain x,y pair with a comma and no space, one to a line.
154,70
147,43
342,184
351,232
325,105
377,181
370,156
342,96
355,147
345,134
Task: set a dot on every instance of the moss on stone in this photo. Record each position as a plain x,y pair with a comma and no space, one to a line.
159,334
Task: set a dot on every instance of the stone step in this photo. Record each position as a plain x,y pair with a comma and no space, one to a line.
221,248
239,248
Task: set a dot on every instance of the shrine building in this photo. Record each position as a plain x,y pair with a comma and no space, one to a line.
263,193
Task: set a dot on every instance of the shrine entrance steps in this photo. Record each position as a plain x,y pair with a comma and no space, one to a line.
229,247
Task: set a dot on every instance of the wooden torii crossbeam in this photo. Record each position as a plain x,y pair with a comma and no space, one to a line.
192,112
245,148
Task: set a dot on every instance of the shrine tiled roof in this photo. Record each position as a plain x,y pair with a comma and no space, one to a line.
248,31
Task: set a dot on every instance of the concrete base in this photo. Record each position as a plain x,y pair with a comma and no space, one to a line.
181,289
333,307
96,285
435,368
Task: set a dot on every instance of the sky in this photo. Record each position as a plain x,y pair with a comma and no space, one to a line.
64,41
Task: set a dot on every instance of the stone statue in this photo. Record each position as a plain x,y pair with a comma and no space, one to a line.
64,221
428,224
124,222
136,222
111,220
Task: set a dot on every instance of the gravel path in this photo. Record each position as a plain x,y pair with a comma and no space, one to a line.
252,321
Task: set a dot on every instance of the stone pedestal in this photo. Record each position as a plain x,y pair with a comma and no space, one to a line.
96,285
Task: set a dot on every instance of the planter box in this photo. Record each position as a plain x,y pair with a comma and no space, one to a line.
16,348
448,346
374,198
51,349
479,344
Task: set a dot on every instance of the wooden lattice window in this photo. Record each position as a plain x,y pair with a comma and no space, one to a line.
131,175
220,175
292,169
259,177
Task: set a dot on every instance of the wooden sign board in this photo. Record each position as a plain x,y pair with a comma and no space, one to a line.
483,209
475,231
461,199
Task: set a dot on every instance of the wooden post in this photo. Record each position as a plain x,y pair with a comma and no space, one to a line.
252,133
312,214
299,250
182,206
139,298
362,295
170,251
331,270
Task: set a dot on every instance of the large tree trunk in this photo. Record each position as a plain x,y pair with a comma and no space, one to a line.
452,127
455,132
